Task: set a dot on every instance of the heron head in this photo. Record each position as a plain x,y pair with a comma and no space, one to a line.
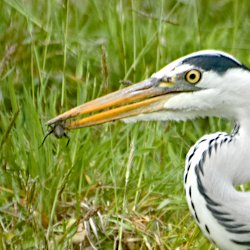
204,83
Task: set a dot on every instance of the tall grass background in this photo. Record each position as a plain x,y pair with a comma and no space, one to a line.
115,186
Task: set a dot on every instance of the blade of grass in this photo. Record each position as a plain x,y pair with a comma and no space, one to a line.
8,130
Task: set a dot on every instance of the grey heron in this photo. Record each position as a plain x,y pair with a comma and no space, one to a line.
201,84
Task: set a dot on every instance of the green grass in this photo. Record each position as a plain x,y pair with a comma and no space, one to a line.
118,185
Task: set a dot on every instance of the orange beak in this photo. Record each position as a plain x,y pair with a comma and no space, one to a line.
144,97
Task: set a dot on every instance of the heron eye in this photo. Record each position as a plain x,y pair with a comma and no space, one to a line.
193,76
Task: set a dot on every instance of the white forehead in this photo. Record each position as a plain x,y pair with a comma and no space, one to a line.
176,66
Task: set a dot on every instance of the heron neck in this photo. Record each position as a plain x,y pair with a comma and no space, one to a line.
229,164
238,151
214,165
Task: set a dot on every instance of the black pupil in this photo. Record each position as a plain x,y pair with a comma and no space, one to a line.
192,76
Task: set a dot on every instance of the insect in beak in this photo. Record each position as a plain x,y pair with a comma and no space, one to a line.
59,131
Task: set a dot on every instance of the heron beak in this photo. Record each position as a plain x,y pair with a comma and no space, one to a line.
144,97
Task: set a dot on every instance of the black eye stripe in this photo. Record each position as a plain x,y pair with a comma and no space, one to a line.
217,63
